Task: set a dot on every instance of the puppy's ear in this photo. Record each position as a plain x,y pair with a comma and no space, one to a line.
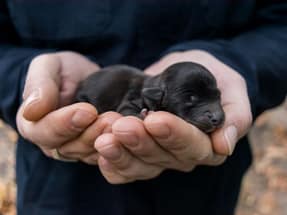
152,97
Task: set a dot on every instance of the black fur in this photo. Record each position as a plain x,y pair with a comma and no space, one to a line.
185,89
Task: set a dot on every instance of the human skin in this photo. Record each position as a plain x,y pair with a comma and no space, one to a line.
50,85
127,148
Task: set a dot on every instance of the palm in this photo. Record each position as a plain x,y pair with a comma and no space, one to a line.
74,69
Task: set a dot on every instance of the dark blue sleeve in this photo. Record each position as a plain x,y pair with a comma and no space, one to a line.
14,62
259,54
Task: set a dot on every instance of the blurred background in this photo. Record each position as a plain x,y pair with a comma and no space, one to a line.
264,188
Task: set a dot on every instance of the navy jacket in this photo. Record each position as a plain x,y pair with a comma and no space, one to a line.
248,35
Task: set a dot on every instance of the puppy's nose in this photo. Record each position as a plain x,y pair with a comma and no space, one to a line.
216,118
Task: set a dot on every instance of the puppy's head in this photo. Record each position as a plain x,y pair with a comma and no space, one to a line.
188,90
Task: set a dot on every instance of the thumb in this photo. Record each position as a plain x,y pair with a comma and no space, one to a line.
238,120
58,126
41,92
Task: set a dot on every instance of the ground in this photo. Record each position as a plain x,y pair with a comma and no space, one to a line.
264,189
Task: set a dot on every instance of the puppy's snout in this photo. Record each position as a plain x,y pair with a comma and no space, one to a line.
216,118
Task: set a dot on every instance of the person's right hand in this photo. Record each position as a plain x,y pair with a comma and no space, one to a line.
46,117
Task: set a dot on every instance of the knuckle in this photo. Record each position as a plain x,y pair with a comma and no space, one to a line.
175,145
36,59
60,128
240,79
71,53
56,132
44,58
243,122
39,60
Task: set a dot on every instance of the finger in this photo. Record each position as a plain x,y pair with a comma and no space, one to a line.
110,172
91,159
131,133
76,149
59,126
238,117
186,142
41,91
83,145
120,161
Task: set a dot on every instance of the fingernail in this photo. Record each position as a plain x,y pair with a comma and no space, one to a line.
231,138
33,97
81,119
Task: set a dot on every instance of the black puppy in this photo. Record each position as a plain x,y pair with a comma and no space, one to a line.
185,89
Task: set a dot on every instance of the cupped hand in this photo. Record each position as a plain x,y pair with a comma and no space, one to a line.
46,117
234,97
138,150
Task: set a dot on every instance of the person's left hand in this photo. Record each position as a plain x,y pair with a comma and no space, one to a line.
162,141
137,150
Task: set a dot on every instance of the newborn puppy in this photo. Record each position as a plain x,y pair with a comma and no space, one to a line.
185,89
